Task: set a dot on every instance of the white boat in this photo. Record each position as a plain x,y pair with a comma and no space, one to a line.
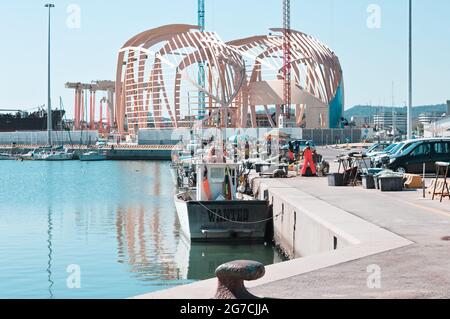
215,211
58,156
93,156
174,174
5,156
34,155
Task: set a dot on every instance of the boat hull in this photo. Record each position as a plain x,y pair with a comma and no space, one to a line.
236,220
174,174
36,121
92,158
59,158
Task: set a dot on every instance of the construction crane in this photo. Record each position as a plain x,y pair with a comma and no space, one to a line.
287,58
201,66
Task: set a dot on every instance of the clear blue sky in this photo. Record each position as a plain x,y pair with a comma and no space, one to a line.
371,58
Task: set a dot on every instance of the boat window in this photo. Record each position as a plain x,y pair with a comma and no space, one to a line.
216,173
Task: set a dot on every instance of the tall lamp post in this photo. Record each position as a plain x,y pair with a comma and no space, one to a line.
49,106
410,96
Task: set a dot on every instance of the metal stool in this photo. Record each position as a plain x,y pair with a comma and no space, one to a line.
359,164
441,167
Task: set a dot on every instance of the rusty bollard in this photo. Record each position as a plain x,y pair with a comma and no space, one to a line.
231,277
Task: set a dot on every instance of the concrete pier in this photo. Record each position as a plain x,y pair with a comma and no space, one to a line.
349,243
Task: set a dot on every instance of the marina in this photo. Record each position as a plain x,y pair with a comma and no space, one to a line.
195,151
326,234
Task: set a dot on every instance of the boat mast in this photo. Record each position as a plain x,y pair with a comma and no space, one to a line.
49,106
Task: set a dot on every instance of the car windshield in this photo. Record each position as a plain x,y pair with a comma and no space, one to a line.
377,148
396,148
389,148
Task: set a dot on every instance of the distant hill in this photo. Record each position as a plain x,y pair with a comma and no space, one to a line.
367,110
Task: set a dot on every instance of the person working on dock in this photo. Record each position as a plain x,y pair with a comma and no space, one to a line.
309,161
296,150
269,145
247,150
257,149
291,157
211,157
216,155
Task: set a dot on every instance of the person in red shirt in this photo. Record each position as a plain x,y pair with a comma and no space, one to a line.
309,161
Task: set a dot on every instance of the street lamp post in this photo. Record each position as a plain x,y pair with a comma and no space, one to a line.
49,106
410,96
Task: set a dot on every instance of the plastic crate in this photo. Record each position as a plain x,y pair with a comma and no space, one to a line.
368,181
391,184
336,179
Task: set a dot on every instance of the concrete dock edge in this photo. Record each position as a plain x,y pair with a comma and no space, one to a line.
320,234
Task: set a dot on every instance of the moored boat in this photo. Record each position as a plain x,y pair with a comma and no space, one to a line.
215,211
93,156
5,156
58,156
34,155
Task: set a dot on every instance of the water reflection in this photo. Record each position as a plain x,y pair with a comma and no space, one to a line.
144,244
199,261
50,253
151,256
117,220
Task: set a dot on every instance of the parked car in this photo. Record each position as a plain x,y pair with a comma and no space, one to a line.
428,151
377,147
382,158
385,151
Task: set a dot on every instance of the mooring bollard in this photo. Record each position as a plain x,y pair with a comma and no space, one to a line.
231,277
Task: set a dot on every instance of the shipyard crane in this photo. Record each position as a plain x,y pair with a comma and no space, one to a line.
287,58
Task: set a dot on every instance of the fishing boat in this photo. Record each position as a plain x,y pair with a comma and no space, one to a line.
93,156
216,211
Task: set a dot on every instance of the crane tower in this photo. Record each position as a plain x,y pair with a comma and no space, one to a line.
201,67
287,57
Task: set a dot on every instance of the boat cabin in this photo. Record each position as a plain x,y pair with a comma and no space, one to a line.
217,181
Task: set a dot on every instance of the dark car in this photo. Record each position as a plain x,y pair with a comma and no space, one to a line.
429,151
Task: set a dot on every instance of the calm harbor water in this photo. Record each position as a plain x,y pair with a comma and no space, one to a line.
116,221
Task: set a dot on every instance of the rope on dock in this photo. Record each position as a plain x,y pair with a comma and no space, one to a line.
240,223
